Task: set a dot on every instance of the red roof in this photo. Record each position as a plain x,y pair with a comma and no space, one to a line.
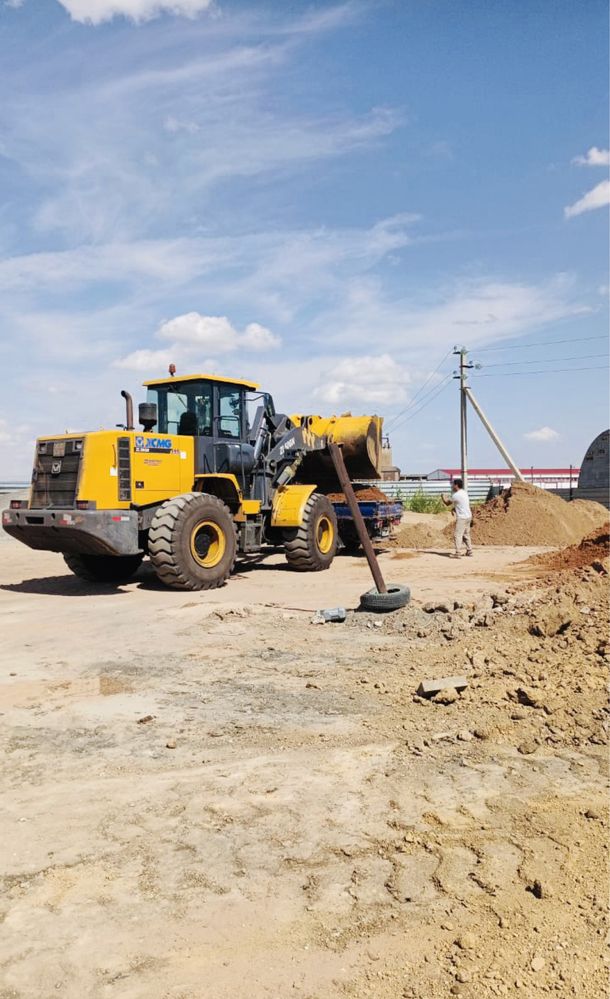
507,471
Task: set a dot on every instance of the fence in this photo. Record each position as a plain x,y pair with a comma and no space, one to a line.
477,490
406,488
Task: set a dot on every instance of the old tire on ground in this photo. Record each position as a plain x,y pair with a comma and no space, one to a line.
191,542
104,568
397,596
312,546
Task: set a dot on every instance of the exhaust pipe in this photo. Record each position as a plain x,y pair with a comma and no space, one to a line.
128,410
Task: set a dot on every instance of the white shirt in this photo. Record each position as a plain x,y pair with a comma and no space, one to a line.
461,505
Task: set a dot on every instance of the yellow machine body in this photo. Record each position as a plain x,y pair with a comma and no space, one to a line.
161,466
227,488
288,505
155,474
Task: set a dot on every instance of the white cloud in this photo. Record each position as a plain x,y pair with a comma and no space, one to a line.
145,360
98,11
376,378
594,157
211,333
159,261
258,338
597,197
544,434
192,334
168,114
473,312
172,124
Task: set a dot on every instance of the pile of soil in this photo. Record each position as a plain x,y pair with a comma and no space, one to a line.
420,535
524,515
595,548
363,493
528,515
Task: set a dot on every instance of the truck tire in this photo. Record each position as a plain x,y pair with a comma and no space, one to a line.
103,568
312,546
396,597
192,542
349,537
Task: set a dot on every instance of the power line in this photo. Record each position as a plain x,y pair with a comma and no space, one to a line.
413,405
431,397
542,371
425,396
439,388
551,360
541,343
419,391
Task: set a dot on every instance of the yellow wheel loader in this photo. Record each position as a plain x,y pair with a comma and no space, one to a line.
214,471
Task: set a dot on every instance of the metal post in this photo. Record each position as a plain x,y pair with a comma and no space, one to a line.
464,420
490,430
464,367
352,502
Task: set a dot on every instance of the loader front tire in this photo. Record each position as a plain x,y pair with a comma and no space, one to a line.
312,546
192,543
103,568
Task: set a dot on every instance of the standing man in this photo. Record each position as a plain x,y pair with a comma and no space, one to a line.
463,516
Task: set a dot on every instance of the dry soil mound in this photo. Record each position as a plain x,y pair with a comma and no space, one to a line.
595,548
528,515
424,534
525,515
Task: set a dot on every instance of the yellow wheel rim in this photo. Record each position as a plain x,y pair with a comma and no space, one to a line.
325,535
208,544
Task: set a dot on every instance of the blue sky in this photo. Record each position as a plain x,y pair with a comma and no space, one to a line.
322,197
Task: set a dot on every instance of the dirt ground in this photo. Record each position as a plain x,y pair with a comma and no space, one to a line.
208,796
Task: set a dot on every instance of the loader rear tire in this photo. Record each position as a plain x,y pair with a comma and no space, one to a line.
192,542
312,546
103,568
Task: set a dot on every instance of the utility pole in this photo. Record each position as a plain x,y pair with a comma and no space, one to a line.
464,367
465,397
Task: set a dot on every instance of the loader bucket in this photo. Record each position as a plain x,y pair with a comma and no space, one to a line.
360,437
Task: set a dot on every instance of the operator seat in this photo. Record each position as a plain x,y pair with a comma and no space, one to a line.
188,424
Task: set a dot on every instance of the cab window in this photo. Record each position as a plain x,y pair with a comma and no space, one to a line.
184,408
177,405
229,412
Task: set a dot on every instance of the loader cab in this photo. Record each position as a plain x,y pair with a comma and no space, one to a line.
213,410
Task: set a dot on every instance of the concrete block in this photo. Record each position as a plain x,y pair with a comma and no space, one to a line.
428,688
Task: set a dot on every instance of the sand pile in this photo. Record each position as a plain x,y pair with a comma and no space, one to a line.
525,515
421,535
528,515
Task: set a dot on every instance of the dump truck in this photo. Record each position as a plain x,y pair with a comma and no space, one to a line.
212,471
